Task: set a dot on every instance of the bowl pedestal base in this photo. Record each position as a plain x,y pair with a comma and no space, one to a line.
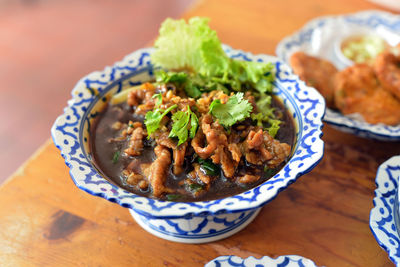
197,229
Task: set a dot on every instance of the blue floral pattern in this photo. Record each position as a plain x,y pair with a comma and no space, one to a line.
281,261
198,229
68,132
303,41
383,216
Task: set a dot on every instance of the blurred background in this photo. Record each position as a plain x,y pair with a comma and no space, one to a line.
47,46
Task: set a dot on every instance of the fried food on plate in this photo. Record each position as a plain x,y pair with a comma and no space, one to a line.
316,72
358,90
387,68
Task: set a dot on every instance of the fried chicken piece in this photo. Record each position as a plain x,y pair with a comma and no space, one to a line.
316,72
358,90
387,68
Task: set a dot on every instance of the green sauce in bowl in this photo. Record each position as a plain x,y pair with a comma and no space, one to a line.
363,49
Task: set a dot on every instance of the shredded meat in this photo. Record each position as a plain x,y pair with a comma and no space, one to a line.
279,151
255,139
159,170
201,175
135,142
235,152
178,151
221,156
214,134
143,94
179,158
247,178
240,151
261,148
142,98
134,178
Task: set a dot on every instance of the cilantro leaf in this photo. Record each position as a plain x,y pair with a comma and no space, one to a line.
159,99
179,128
181,123
194,124
153,119
235,109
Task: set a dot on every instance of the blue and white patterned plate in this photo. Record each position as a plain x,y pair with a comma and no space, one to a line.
384,215
71,130
322,36
281,261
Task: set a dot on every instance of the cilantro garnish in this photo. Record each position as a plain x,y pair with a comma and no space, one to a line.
159,99
235,109
181,124
153,118
116,157
172,197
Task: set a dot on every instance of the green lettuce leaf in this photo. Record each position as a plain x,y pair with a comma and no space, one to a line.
194,47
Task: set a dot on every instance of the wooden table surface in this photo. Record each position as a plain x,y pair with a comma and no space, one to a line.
46,221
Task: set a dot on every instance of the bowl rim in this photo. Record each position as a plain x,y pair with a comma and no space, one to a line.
278,261
370,18
381,219
302,161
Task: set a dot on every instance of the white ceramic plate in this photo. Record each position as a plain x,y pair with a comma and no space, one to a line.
281,261
321,37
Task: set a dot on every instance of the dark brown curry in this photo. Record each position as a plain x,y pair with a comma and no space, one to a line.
215,162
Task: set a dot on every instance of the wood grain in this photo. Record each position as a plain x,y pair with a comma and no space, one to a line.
46,221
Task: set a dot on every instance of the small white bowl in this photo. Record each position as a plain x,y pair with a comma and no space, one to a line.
281,261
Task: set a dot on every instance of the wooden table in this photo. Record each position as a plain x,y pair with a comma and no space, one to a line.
46,221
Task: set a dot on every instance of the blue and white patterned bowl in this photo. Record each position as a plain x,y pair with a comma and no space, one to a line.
384,217
320,38
281,261
193,222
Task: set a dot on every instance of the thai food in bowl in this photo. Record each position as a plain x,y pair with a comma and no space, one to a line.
182,145
192,152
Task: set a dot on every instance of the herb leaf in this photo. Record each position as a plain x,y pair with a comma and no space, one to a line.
116,157
171,77
172,197
209,167
196,47
153,119
235,109
181,123
194,124
195,187
159,99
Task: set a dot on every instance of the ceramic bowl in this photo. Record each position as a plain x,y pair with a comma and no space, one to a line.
281,261
384,217
193,222
322,36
